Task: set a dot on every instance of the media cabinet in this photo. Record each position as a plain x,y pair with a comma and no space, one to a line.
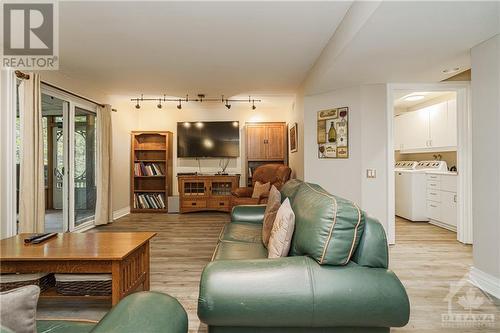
201,192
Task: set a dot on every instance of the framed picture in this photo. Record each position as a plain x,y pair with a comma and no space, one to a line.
293,138
333,133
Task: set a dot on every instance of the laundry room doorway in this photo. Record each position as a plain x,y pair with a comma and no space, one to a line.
429,162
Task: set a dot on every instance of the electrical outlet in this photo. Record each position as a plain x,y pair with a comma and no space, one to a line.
371,173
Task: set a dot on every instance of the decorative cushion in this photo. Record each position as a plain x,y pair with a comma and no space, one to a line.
290,189
18,309
282,232
260,189
327,227
273,204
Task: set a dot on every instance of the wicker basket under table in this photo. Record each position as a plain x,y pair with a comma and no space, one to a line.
12,281
83,284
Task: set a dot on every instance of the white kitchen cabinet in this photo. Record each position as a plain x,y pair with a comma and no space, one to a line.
398,127
449,208
411,126
452,139
438,125
442,200
434,211
433,128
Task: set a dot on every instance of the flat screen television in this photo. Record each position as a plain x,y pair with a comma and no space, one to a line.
208,139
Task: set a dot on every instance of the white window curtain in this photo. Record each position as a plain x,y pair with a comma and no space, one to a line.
104,209
32,183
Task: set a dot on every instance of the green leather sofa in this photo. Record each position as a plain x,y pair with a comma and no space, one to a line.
144,312
243,291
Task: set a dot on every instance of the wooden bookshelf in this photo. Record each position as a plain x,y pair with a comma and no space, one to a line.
151,171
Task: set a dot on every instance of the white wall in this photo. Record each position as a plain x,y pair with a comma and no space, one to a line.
486,156
367,147
338,176
296,160
78,86
128,118
374,151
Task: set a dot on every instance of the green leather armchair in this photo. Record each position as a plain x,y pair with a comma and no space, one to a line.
145,312
243,291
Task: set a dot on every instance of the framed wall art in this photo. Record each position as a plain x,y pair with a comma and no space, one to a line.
333,133
294,137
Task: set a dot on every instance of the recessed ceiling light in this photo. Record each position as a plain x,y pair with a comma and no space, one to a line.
451,70
413,98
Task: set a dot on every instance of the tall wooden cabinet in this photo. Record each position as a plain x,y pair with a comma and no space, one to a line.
151,171
265,143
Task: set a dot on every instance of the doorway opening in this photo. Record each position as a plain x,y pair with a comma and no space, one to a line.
429,160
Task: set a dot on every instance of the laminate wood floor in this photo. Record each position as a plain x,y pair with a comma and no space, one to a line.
426,259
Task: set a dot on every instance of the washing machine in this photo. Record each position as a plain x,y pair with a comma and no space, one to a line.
411,184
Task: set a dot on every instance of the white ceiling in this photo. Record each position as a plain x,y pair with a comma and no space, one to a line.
208,47
407,41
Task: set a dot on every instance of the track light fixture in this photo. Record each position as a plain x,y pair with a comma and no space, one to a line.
201,98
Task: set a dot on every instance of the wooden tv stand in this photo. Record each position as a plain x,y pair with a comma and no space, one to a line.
201,192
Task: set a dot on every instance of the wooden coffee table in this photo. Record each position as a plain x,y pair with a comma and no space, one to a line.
123,254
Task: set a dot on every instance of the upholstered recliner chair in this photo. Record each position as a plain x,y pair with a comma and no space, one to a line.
276,174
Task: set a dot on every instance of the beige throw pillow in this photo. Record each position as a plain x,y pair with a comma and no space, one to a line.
260,189
18,309
281,234
273,204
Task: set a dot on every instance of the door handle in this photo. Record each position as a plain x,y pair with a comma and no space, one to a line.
455,198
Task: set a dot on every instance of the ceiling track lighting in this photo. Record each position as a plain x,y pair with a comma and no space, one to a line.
201,98
137,105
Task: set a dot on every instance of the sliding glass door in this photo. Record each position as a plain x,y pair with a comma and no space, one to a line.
84,166
69,136
55,112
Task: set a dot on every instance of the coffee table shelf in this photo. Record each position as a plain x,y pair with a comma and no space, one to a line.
124,255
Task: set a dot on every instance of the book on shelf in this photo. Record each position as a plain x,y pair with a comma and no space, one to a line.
147,169
149,201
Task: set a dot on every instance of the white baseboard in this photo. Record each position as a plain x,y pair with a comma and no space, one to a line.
121,212
484,281
443,225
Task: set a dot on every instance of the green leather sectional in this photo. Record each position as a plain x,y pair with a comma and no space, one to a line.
243,291
144,312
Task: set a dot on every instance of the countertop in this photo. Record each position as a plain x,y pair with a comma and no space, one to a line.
447,173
